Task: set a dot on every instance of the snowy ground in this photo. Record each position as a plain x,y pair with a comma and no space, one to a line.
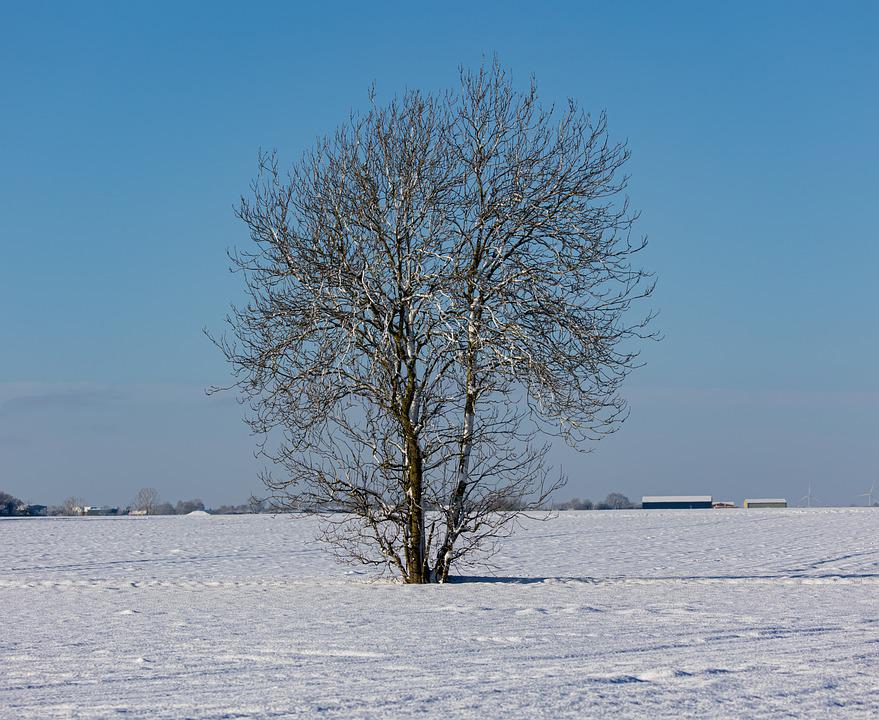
734,613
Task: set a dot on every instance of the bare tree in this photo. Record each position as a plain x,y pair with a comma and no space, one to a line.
431,289
146,500
72,506
575,504
618,501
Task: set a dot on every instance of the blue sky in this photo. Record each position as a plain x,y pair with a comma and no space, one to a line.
128,131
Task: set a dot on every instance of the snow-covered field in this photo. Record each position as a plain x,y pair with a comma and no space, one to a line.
735,613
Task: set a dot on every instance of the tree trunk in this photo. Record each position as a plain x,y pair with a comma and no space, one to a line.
417,567
456,505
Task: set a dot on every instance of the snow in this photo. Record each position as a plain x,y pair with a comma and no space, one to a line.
697,613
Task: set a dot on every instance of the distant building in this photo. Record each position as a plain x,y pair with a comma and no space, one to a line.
766,503
37,510
723,505
676,502
99,510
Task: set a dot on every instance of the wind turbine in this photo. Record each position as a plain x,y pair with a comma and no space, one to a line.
808,496
869,494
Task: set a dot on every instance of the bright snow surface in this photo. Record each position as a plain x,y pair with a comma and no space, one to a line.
688,613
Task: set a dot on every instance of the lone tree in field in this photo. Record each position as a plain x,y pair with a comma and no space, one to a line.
146,500
433,288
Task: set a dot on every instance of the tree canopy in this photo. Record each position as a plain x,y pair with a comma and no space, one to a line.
432,291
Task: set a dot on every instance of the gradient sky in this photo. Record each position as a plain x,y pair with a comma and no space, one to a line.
128,131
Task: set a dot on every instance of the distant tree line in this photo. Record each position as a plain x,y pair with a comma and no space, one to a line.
146,502
614,501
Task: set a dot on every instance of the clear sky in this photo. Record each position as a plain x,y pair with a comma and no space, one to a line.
128,131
